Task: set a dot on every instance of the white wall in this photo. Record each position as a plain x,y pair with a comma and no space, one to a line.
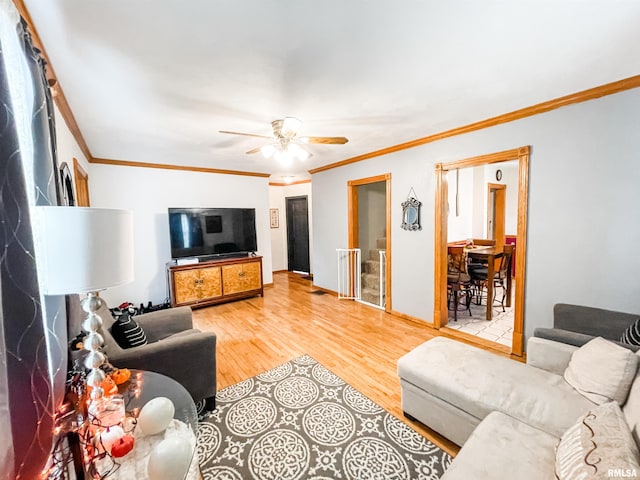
372,217
278,235
583,200
67,147
148,193
479,204
471,221
460,225
277,199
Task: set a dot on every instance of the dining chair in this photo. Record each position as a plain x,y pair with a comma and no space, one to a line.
458,281
485,242
479,277
475,263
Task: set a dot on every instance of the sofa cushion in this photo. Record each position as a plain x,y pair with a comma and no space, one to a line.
632,334
600,442
573,338
602,371
631,408
502,447
479,382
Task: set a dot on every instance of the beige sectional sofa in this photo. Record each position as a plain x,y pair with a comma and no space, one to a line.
508,416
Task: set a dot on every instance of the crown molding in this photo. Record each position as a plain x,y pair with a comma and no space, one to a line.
578,97
67,114
283,184
167,166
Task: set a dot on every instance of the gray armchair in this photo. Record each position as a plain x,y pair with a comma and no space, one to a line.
174,347
577,324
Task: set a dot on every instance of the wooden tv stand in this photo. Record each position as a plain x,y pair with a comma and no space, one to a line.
215,281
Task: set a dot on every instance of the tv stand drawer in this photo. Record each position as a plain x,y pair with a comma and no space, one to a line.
241,277
215,281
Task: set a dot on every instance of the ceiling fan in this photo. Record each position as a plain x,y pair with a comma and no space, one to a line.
285,143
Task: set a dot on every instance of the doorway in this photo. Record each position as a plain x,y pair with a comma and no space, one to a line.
369,230
447,233
298,234
496,208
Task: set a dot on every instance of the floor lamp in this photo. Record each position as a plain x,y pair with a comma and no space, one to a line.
85,250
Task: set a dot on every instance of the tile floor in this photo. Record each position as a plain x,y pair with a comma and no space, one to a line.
499,329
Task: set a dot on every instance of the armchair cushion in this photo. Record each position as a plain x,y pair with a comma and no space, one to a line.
163,323
188,357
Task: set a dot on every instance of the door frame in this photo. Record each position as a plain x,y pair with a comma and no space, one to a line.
498,208
82,184
352,195
286,214
440,242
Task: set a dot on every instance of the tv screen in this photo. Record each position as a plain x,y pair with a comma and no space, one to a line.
196,232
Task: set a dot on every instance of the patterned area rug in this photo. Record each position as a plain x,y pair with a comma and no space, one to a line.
299,421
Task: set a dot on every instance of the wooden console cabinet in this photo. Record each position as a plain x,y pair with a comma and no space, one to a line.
215,281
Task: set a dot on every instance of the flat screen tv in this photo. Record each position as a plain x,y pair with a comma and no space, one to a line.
203,232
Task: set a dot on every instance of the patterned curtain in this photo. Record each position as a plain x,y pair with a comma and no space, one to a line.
33,338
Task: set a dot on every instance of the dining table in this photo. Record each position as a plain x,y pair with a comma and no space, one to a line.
489,255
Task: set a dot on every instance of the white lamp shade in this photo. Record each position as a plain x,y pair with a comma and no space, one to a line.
82,249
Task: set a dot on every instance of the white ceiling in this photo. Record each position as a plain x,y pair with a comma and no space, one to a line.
154,80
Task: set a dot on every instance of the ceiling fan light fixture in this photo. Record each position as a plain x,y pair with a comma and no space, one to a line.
299,153
267,150
290,127
283,156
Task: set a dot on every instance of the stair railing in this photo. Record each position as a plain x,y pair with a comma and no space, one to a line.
349,270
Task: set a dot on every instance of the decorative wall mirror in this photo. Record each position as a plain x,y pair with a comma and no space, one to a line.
411,213
66,183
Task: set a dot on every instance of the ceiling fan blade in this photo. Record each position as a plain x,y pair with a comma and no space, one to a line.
245,134
324,140
254,150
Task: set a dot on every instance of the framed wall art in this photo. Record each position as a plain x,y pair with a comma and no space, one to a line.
274,219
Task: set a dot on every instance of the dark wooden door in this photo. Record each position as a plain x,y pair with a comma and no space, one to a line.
298,234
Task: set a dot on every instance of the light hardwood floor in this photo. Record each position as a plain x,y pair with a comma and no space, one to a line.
360,344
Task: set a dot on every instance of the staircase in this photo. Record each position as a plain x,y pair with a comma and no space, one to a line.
370,278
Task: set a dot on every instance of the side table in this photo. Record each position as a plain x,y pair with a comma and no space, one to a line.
142,387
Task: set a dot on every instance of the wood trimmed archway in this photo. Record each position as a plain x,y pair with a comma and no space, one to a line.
352,187
440,271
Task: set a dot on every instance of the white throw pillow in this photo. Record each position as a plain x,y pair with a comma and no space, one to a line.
602,371
597,446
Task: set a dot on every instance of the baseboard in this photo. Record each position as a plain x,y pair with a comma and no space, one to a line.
419,321
331,292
